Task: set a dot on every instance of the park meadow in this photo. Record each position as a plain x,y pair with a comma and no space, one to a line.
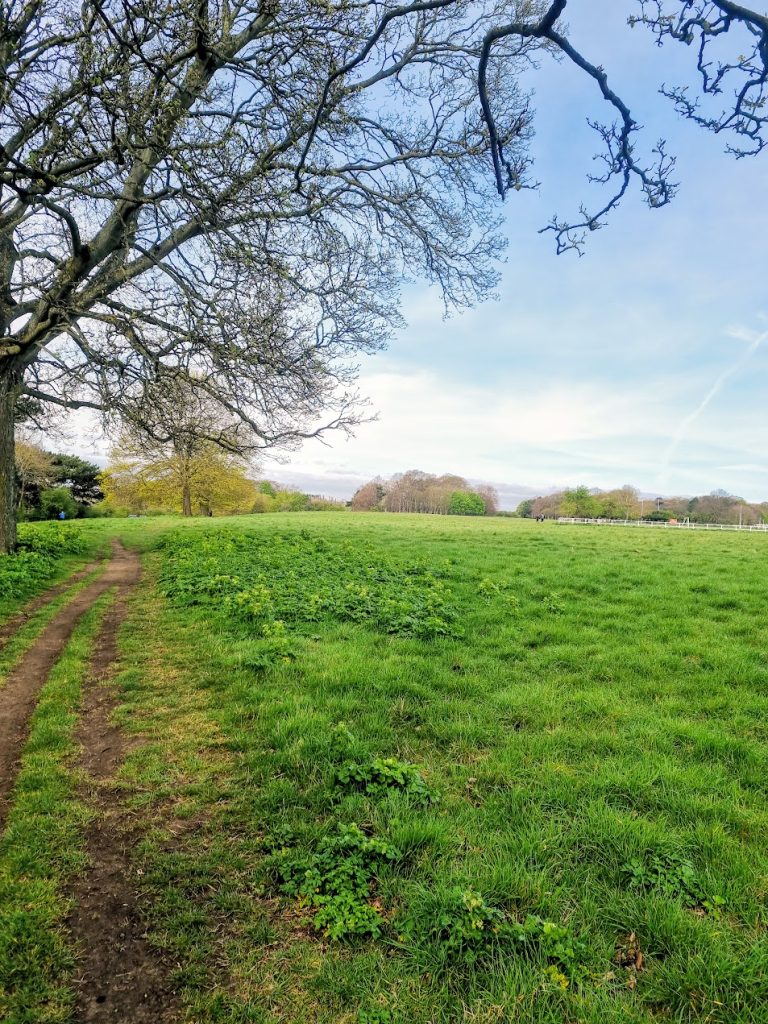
395,769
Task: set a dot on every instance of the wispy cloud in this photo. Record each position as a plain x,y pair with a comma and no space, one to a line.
754,341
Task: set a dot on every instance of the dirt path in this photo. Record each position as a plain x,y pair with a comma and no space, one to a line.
18,696
120,975
20,619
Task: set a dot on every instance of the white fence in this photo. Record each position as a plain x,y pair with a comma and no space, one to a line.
758,527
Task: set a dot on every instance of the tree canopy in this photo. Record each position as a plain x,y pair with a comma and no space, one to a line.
234,190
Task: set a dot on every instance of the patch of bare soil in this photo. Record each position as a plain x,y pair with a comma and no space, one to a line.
20,619
18,696
121,976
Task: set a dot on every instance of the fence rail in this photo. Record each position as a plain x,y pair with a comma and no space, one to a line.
756,527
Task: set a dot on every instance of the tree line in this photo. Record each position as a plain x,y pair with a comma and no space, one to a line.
192,475
625,503
206,481
416,491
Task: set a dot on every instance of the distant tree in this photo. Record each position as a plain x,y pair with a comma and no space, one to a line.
81,477
324,504
580,503
417,491
56,500
491,498
266,487
34,473
291,501
262,503
621,503
525,508
174,422
368,497
179,480
715,507
548,505
466,503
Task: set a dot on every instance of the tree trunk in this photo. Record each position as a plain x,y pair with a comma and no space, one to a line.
186,499
9,392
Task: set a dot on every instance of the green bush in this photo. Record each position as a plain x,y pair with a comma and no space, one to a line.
466,503
56,500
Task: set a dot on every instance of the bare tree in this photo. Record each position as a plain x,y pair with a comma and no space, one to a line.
233,188
368,497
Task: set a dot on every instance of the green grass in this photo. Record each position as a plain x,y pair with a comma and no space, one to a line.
596,739
580,757
41,849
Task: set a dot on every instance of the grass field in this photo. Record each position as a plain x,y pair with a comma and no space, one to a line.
401,769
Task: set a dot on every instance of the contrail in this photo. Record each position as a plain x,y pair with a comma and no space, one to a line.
691,418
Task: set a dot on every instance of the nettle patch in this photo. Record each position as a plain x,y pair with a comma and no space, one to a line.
673,876
336,880
296,579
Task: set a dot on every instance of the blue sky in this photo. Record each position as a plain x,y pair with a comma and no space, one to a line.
591,370
639,363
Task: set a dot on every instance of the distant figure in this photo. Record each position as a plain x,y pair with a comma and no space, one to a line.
62,514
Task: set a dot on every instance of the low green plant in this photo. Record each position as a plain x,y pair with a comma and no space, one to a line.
669,874
299,579
375,1015
385,774
465,927
334,881
487,589
41,546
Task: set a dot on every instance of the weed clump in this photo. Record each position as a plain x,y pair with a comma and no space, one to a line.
335,881
668,874
296,579
382,775
463,927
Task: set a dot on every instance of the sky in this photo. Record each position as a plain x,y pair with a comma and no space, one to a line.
645,361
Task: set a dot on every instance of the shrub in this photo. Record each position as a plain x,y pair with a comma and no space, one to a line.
466,503
40,546
56,500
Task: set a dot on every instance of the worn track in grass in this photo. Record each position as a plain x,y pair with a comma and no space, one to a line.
21,618
18,697
120,977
